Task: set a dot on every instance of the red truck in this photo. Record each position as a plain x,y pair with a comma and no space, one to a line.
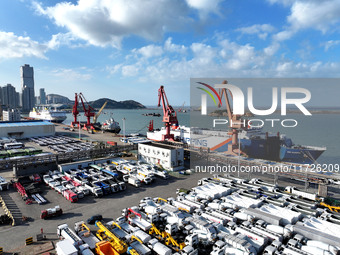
51,212
71,196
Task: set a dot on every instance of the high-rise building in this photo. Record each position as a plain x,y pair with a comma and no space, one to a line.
42,96
27,87
9,96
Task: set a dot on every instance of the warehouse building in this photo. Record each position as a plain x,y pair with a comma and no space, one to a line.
26,129
170,158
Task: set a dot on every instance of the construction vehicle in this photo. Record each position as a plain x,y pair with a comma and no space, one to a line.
330,207
65,232
51,212
169,115
137,245
70,195
136,219
105,248
85,234
105,234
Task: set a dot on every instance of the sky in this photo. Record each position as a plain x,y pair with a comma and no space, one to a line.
126,49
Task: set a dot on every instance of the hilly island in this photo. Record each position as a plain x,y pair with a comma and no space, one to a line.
111,104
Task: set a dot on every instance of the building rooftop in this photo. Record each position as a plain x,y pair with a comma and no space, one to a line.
24,123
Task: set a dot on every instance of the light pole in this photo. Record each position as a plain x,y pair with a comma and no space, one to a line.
238,161
124,128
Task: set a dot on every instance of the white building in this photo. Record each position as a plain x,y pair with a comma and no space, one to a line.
170,158
26,129
11,115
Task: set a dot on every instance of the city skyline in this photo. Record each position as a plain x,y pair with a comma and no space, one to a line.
116,49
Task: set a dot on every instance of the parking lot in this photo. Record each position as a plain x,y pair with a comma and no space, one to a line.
109,206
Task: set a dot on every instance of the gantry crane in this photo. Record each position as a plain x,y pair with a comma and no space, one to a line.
169,114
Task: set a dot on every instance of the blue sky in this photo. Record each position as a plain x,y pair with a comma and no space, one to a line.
126,49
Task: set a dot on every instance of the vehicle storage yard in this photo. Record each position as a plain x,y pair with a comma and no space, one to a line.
110,206
64,197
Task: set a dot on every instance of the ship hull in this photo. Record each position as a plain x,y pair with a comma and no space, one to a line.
300,155
266,147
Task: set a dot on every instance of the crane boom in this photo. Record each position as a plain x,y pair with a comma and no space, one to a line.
99,112
169,114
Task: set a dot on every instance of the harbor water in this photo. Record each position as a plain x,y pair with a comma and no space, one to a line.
320,129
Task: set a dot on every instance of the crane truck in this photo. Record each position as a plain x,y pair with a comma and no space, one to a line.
85,234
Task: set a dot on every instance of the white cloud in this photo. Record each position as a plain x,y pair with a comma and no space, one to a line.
225,59
331,43
150,51
13,46
313,14
130,70
205,6
261,30
60,39
319,15
71,74
107,22
169,46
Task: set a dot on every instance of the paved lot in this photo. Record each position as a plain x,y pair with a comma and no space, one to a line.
109,206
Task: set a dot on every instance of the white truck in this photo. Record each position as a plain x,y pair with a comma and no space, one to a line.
133,180
64,231
182,205
158,247
85,234
65,247
203,225
239,242
259,239
293,190
95,190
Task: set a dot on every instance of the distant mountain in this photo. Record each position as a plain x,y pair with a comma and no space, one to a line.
57,99
112,104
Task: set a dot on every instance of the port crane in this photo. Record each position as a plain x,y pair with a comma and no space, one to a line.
88,111
235,119
169,114
95,118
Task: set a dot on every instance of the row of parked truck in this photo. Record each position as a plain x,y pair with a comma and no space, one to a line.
219,216
101,179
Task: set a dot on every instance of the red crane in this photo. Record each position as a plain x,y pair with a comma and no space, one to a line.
169,114
88,111
75,112
235,119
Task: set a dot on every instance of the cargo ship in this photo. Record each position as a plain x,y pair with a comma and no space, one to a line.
111,125
48,114
253,142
